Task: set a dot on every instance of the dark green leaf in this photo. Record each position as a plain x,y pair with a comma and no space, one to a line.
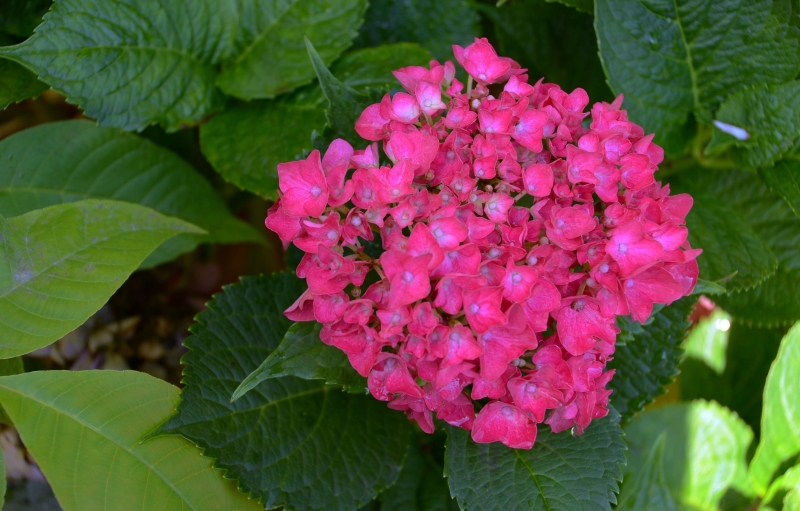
17,83
420,487
672,58
131,63
774,301
552,41
740,387
647,488
20,17
75,160
784,179
291,442
704,455
780,438
246,142
647,361
586,6
270,57
302,354
435,24
770,114
60,264
561,471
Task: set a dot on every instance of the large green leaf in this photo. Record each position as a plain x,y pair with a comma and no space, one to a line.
784,179
20,17
246,142
131,63
75,160
672,58
60,264
85,430
17,83
552,41
647,488
420,486
774,301
435,24
647,359
291,442
704,454
780,438
561,472
732,248
770,114
740,386
302,354
270,57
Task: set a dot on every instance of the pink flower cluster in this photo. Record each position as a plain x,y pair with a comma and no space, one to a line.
514,232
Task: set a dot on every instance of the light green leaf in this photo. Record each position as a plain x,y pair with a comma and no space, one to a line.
561,471
708,340
420,487
85,430
647,358
553,41
17,84
295,443
674,58
302,354
704,456
434,24
733,251
246,142
784,493
784,179
774,301
20,17
75,160
780,438
770,115
270,57
647,487
60,264
131,63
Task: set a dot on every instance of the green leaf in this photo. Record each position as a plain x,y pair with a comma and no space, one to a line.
132,63
434,24
561,471
773,302
647,488
20,17
586,6
69,161
770,114
9,367
784,179
85,430
270,57
740,386
780,439
60,264
2,479
246,142
672,58
552,41
17,84
704,457
784,493
291,442
302,354
707,287
647,361
420,486
708,340
732,248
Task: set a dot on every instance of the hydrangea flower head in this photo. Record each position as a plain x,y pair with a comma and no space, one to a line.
514,226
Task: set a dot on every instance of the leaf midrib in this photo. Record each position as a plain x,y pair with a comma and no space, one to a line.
100,433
